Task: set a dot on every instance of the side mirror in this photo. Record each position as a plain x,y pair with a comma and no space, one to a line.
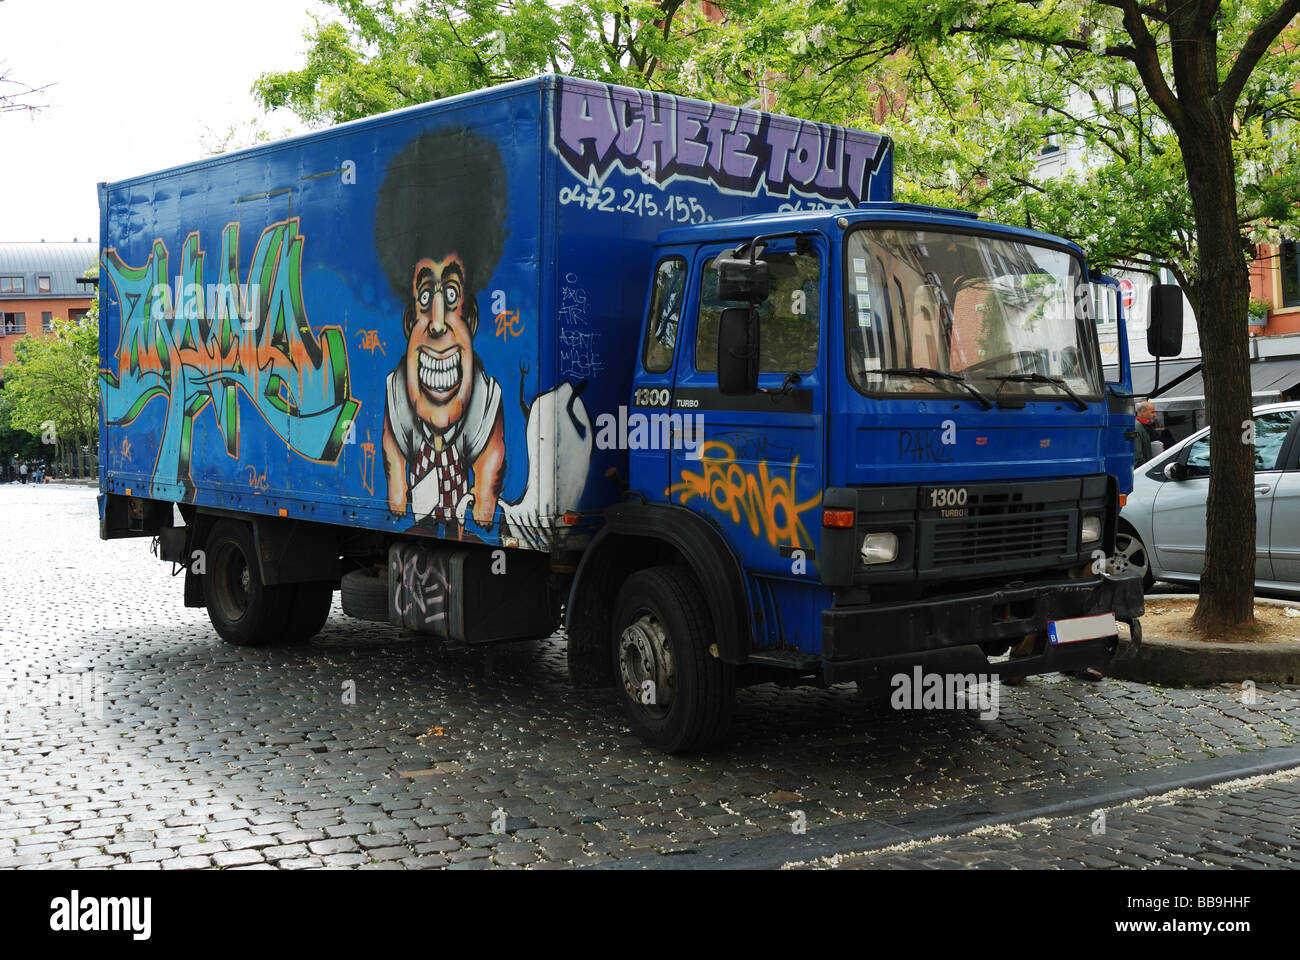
1176,471
737,351
1165,329
741,279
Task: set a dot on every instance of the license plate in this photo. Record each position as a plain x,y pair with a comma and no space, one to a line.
1081,628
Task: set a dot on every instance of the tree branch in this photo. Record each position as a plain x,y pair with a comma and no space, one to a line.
1257,44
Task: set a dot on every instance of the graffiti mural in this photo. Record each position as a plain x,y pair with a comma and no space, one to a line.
201,345
766,501
444,439
662,136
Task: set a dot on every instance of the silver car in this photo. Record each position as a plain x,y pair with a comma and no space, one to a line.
1162,527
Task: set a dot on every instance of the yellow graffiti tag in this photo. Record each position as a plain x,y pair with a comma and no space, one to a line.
767,501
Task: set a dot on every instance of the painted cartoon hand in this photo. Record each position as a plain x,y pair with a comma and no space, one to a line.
465,507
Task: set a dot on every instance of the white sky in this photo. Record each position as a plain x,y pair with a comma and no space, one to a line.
138,84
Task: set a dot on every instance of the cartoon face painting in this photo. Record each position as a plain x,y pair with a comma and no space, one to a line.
439,231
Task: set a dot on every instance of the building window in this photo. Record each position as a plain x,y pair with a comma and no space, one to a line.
15,324
47,320
1289,258
42,284
12,285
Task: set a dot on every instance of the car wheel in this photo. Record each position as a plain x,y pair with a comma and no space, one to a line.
1130,556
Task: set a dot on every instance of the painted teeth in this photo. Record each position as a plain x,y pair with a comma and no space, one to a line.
439,374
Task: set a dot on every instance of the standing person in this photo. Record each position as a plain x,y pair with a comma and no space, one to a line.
22,471
1144,431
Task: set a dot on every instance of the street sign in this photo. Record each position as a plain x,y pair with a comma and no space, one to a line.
1126,293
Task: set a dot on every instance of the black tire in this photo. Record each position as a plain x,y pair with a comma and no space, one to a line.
243,610
364,594
311,608
662,620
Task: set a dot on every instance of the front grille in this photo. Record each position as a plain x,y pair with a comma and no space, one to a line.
1001,534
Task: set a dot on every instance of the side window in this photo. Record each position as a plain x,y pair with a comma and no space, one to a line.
665,314
1270,434
1198,458
789,320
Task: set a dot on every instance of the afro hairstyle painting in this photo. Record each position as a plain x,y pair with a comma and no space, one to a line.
444,193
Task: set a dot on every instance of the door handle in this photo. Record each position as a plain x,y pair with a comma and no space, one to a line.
1262,488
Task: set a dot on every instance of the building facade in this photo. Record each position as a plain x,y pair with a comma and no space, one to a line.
39,284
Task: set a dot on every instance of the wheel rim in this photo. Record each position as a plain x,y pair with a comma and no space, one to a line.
1130,556
233,581
645,655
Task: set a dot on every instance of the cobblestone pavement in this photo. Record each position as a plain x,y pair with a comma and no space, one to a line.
208,755
1252,823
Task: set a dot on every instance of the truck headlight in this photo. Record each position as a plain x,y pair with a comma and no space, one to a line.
880,548
1091,529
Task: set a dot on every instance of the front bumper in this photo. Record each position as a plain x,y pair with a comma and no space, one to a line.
872,642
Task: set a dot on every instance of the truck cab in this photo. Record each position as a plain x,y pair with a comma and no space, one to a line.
889,432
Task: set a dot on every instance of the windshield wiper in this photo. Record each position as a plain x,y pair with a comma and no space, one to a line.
1040,378
926,373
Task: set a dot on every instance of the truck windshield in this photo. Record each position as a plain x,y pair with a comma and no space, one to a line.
927,310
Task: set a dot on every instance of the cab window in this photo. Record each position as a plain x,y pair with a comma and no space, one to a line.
789,319
665,314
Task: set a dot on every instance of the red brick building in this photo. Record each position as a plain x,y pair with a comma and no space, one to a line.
1275,279
38,282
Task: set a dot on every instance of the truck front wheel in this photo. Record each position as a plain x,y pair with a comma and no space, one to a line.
676,693
243,610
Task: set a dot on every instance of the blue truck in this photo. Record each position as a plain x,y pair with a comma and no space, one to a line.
675,378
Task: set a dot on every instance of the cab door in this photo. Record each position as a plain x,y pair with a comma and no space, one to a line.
1178,519
755,463
1284,531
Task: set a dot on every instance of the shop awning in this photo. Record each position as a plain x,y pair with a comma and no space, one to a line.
1268,378
1144,374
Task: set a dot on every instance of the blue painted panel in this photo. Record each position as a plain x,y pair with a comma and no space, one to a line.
420,321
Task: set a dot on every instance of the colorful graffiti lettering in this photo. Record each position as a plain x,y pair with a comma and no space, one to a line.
662,136
767,501
195,351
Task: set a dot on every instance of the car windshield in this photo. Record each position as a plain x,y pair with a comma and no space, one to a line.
1002,315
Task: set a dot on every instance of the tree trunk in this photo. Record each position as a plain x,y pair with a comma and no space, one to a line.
1223,288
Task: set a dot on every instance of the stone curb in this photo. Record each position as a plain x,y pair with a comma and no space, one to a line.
1196,663
1080,796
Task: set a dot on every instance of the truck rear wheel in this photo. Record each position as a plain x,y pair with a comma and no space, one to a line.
310,609
676,693
243,610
